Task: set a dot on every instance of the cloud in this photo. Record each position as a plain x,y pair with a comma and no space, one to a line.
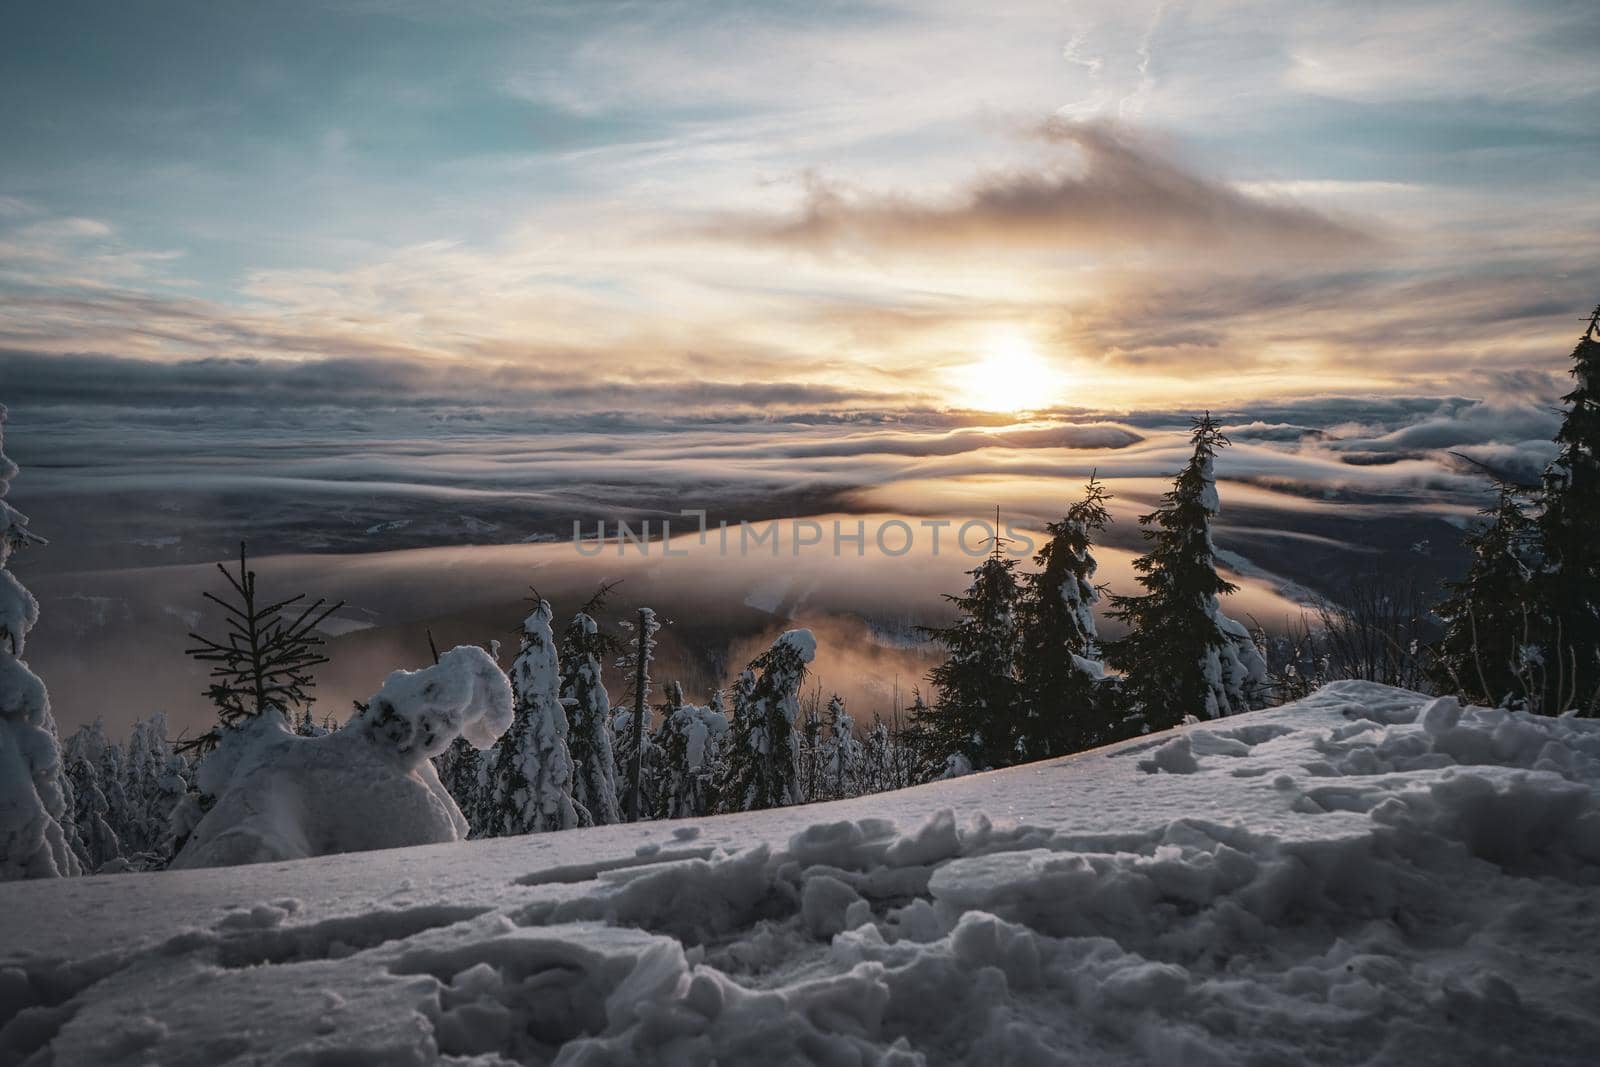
1117,191
383,382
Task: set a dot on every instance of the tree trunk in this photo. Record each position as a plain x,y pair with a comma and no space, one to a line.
634,772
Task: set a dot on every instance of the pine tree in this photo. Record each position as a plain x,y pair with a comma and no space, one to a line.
114,784
583,693
91,814
766,703
877,759
687,743
1492,615
265,658
1569,584
809,755
1181,655
842,754
633,748
531,782
980,714
33,786
1060,667
156,779
462,772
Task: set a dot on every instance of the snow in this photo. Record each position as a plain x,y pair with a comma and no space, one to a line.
1364,876
804,643
368,785
34,794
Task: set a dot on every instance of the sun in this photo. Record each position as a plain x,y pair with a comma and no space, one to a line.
1011,376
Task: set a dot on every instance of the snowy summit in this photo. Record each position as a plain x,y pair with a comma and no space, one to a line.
1364,876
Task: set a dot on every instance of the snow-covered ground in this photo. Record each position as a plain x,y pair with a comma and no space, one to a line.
1361,877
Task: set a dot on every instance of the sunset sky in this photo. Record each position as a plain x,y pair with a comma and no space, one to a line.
648,207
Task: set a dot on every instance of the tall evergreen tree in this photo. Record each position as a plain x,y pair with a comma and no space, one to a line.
1492,618
687,742
980,714
33,787
766,702
583,693
156,780
92,811
531,782
809,755
463,772
1570,581
842,753
1181,655
633,752
1060,667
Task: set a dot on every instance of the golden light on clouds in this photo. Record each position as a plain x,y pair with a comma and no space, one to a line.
1010,375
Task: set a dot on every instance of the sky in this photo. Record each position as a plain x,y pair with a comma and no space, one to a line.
364,282
717,209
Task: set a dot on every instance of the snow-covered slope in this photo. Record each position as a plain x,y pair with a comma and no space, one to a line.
1361,877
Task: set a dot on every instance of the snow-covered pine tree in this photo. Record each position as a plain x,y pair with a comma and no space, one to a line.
744,735
842,754
156,780
264,659
583,693
461,771
686,743
531,782
308,725
766,702
114,783
1492,616
1181,655
1569,584
33,790
81,753
980,712
876,758
1060,667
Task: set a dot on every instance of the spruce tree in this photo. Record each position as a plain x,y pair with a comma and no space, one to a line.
462,772
33,787
979,714
1492,617
156,780
809,755
264,658
766,702
634,742
92,811
1181,656
583,693
1570,581
1060,666
687,743
531,782
842,754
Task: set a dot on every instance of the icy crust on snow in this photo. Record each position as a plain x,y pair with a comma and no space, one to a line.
1362,877
365,786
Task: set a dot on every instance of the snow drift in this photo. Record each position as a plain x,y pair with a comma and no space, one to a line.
368,785
1364,876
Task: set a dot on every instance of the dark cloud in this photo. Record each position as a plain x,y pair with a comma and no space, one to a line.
1118,191
38,378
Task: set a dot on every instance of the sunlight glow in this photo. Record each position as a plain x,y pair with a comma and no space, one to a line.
1011,376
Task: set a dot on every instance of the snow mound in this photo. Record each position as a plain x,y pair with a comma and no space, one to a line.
368,785
1436,913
